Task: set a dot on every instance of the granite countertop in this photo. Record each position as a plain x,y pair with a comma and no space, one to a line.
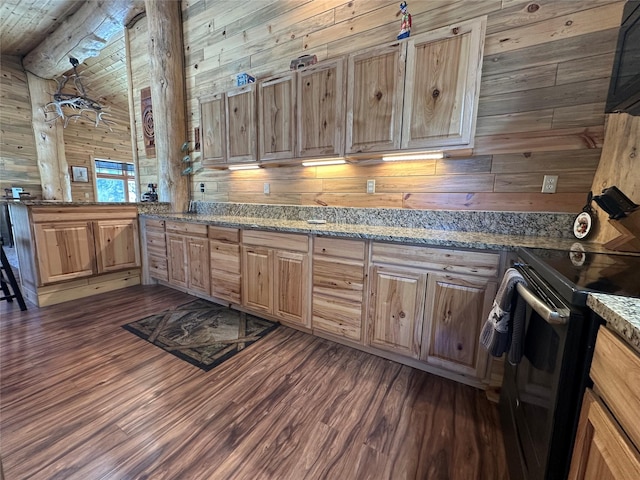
424,236
622,315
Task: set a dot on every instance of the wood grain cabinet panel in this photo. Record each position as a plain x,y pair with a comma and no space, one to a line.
212,130
188,262
375,84
602,451
397,309
117,245
257,278
276,117
242,124
65,251
442,86
291,296
156,249
225,255
456,308
321,100
177,260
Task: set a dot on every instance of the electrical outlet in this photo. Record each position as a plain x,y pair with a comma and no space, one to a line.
266,189
371,186
549,184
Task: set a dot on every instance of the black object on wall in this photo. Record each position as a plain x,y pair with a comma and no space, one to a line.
624,89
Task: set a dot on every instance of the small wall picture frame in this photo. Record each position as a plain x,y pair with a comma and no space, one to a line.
79,174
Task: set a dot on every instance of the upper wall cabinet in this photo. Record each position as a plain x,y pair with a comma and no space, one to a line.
442,86
276,117
320,120
374,98
242,121
213,124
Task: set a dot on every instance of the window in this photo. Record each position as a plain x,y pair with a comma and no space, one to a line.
115,181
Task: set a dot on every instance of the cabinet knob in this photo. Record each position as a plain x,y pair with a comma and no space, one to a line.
402,315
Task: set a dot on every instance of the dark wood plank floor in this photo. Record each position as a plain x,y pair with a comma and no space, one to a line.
81,398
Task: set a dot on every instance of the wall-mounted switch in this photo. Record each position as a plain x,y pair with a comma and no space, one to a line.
371,186
202,187
266,189
549,184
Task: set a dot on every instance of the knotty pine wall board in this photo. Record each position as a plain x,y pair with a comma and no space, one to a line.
545,77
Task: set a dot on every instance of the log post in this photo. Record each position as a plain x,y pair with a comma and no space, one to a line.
168,98
52,161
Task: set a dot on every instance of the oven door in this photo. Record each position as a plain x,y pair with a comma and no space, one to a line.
534,399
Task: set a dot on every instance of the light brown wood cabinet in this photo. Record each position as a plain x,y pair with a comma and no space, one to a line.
338,287
188,256
456,308
275,275
430,303
242,124
213,126
442,86
276,117
375,84
321,102
608,437
224,250
66,250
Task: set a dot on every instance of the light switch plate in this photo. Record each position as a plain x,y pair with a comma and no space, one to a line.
266,189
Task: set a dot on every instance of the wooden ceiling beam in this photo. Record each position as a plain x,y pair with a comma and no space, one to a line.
82,35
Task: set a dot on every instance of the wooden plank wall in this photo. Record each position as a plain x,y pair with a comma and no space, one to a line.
18,165
544,83
105,79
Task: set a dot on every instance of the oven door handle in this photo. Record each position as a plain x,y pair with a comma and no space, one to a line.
554,317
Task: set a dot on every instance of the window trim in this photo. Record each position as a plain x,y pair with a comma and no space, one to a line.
126,177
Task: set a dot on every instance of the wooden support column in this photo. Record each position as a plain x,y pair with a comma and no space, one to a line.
168,98
52,161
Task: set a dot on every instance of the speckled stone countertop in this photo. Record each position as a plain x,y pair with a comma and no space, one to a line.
622,315
423,236
143,207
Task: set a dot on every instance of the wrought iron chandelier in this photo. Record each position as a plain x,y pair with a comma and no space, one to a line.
74,106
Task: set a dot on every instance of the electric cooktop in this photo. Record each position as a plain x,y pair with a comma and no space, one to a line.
576,272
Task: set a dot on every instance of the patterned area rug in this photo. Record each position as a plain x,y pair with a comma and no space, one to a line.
202,333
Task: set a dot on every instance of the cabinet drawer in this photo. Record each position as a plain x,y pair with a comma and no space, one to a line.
195,229
337,316
616,370
224,256
158,267
224,234
438,259
343,279
337,247
151,223
225,286
281,241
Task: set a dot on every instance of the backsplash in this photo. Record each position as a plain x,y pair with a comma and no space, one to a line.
558,225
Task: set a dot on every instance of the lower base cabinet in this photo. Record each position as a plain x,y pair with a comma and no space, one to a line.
188,256
607,445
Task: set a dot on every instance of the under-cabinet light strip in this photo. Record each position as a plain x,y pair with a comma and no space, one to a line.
244,167
414,156
319,163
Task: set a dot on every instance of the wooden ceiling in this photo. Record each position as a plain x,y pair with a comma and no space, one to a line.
24,24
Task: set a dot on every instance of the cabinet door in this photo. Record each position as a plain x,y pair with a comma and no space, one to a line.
396,310
276,107
257,284
212,128
455,312
198,264
156,246
602,451
291,289
117,244
374,99
442,86
321,109
242,124
177,260
65,251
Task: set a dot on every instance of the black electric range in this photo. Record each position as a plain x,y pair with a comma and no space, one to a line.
573,274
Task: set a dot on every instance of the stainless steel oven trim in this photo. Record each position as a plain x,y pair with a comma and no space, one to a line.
554,317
